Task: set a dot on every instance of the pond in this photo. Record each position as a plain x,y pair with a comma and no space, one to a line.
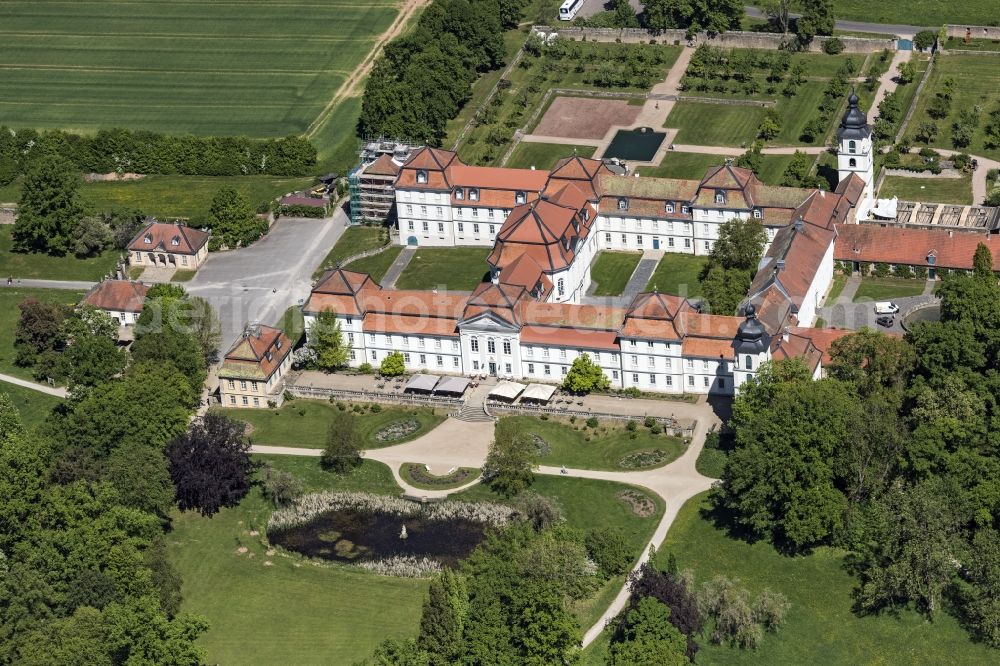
929,313
353,536
638,145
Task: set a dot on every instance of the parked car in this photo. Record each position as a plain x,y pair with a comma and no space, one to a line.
886,308
885,320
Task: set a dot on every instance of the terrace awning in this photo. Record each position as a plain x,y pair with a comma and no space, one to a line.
538,392
507,390
424,383
452,385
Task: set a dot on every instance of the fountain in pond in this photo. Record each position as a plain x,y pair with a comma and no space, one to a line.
402,535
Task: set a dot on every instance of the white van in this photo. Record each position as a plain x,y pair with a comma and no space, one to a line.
886,308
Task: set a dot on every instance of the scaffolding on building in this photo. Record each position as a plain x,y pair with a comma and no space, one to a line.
371,184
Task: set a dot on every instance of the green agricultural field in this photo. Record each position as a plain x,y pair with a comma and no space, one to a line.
304,423
977,83
939,190
884,289
576,445
34,407
280,609
612,270
820,626
544,156
678,274
354,241
32,265
9,315
931,13
377,264
466,268
210,68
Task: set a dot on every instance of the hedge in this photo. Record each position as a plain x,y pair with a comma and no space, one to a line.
151,153
298,210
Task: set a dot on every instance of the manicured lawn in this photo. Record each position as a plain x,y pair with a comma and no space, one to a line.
46,267
820,627
773,168
611,271
281,609
430,481
959,44
936,190
10,297
181,275
544,155
883,289
33,406
292,323
305,422
692,166
452,268
568,444
354,241
703,124
377,264
678,274
976,83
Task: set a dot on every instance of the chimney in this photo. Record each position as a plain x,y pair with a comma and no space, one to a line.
800,224
822,193
950,233
784,334
532,167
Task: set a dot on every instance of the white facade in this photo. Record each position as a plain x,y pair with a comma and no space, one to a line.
430,219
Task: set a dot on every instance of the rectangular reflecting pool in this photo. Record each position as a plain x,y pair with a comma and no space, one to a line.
637,145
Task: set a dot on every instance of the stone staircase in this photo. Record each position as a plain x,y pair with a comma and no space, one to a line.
474,410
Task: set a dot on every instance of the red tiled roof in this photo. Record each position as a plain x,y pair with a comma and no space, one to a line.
162,236
796,346
117,295
903,245
822,338
570,316
497,178
707,348
570,337
410,325
499,299
340,281
257,354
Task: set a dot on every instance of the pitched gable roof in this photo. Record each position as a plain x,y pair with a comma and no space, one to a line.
383,166
169,237
117,296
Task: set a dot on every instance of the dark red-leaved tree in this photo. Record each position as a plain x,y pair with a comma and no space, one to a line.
210,464
667,588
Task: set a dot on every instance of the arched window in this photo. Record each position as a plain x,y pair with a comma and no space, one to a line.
749,360
852,163
852,147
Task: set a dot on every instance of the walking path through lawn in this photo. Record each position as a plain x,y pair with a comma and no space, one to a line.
72,285
398,266
636,284
41,388
850,288
887,82
465,444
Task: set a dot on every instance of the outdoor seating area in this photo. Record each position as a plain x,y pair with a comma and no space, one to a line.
506,391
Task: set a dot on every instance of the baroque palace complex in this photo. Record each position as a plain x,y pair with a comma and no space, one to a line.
529,320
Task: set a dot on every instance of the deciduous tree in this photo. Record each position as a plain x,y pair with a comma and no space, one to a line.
50,208
392,365
326,338
233,221
210,464
343,444
509,464
585,376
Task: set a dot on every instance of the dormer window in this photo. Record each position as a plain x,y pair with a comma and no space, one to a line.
148,238
669,207
269,356
758,214
852,146
686,210
277,344
931,258
623,204
519,197
586,214
459,193
421,175
176,240
720,197
473,194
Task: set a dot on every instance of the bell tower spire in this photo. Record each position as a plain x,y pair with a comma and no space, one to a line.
855,152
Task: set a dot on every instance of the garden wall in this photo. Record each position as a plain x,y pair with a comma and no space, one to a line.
974,31
747,40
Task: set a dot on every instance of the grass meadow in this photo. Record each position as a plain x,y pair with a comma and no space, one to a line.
354,241
33,406
242,67
32,265
377,264
932,188
884,289
678,274
544,156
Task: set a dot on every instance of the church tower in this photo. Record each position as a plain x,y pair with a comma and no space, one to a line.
855,153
